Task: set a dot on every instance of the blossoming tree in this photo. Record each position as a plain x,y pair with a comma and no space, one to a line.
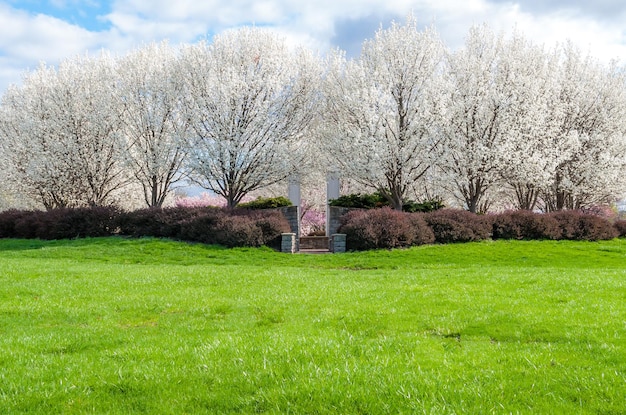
62,133
251,101
382,110
152,122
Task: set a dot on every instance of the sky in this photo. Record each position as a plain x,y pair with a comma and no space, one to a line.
32,32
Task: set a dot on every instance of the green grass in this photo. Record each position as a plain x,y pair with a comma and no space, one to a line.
122,326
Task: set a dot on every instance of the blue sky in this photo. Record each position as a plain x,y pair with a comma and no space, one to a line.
49,31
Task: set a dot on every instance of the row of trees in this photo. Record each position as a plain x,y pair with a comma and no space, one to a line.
408,117
546,128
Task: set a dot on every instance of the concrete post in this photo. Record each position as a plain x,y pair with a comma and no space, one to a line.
293,190
332,192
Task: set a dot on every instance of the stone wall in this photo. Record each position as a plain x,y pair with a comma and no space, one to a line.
334,214
314,242
292,213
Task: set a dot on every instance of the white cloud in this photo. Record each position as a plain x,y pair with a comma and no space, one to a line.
28,38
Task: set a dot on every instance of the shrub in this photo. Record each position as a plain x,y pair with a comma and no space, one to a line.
27,226
377,200
423,233
426,206
62,223
313,222
79,223
221,229
8,221
620,226
232,231
159,222
453,225
272,225
201,228
524,224
579,226
377,228
241,228
266,203
206,225
360,201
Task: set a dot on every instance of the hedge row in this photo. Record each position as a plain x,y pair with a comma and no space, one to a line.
386,228
207,225
365,229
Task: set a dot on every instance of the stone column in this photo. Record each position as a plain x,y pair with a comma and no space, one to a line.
338,243
288,243
293,190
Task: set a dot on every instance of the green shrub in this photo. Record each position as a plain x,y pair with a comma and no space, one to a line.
377,200
360,201
266,203
424,207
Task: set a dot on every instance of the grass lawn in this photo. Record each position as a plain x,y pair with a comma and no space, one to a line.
121,326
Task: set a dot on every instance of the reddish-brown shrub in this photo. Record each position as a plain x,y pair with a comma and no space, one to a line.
201,228
9,220
620,226
62,223
207,225
453,225
579,226
271,222
252,228
232,231
159,222
79,223
377,228
523,224
423,233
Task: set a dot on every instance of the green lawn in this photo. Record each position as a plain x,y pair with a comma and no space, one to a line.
148,326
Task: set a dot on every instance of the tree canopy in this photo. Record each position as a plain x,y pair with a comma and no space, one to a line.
500,122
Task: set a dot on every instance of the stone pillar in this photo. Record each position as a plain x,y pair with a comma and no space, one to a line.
332,192
293,190
288,243
338,243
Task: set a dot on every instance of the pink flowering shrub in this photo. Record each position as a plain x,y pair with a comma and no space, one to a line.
313,222
204,199
603,211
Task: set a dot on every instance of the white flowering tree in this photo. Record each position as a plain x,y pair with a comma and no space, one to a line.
589,108
382,110
61,131
479,118
528,155
152,124
251,102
